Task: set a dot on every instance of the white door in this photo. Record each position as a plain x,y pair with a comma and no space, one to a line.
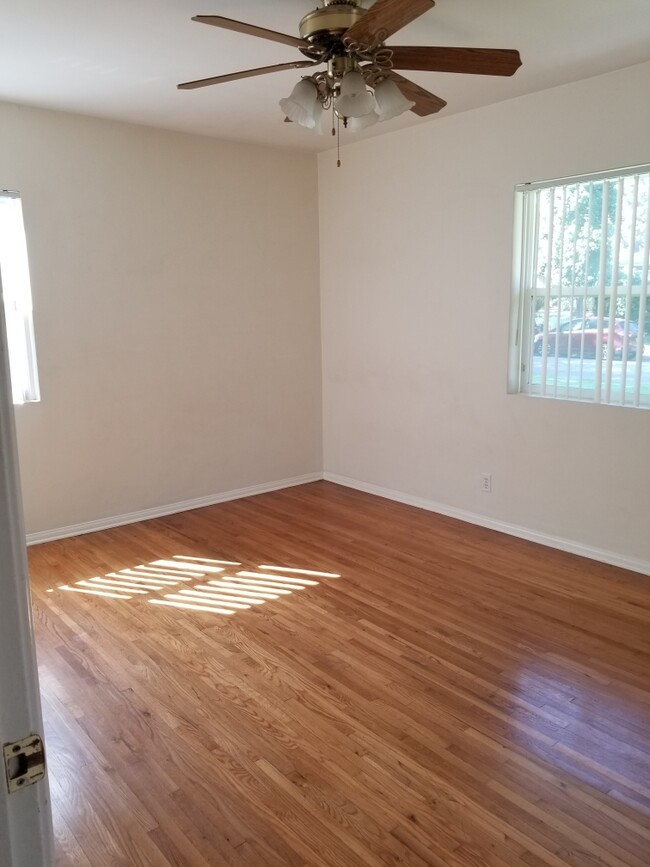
25,815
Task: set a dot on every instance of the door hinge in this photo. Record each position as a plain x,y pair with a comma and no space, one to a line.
24,762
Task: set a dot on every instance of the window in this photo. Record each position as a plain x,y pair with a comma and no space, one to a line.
17,298
581,315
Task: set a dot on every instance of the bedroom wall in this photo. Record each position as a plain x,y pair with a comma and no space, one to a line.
416,253
175,282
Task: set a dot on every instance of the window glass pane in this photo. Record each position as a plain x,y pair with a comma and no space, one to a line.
17,297
584,322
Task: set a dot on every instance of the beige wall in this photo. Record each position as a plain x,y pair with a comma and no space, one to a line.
177,319
416,252
175,282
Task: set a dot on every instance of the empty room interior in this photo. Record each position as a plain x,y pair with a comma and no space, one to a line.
337,524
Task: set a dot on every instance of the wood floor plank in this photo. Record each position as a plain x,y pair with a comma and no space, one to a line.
456,697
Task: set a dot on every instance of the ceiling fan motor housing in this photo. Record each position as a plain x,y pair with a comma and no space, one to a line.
326,26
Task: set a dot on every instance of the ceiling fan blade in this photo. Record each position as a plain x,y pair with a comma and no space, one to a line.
250,29
247,73
386,17
481,61
425,103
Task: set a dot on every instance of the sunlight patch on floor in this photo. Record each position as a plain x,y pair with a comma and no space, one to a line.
200,584
191,568
94,592
227,593
144,579
206,560
213,597
252,584
163,573
301,571
232,586
280,580
105,584
203,608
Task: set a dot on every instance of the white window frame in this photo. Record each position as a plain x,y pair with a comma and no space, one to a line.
16,294
628,385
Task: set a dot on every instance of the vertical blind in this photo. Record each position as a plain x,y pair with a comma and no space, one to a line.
583,288
17,298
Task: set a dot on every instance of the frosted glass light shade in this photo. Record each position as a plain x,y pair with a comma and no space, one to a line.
302,107
354,99
390,100
318,118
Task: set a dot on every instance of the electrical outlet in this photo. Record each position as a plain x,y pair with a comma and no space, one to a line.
486,483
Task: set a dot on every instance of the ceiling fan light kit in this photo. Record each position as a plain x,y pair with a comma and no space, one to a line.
360,82
302,105
354,100
391,102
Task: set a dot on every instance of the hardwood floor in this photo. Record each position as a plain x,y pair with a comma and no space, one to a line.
455,697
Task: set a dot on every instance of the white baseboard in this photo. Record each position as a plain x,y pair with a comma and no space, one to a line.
572,547
170,509
558,542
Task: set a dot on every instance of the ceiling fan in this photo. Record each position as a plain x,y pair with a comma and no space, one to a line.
360,81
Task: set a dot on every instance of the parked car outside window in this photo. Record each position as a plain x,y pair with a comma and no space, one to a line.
580,338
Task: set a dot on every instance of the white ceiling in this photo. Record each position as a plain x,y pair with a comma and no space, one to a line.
122,59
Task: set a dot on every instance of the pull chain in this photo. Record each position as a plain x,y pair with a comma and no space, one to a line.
336,130
338,142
